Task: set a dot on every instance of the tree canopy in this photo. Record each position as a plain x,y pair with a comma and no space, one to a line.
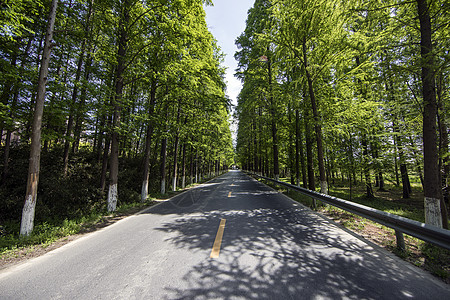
336,89
128,81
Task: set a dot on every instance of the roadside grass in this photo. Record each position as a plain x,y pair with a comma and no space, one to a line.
434,259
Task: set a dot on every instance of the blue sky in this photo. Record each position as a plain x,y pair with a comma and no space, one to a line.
226,21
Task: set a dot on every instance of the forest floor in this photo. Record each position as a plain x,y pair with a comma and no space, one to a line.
423,255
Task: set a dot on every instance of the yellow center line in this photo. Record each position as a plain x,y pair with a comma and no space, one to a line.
229,194
216,247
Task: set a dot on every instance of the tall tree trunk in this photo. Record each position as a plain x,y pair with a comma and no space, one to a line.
276,166
191,168
317,126
80,115
27,223
163,164
72,112
175,152
380,173
309,154
75,90
297,148
397,177
432,186
406,186
148,142
196,165
301,152
292,158
183,167
101,136
369,190
443,150
105,163
114,157
175,163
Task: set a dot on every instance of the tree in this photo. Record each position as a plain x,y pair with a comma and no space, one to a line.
26,226
432,187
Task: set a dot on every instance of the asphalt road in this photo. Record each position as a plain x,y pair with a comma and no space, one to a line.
272,248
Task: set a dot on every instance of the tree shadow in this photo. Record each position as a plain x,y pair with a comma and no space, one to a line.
280,250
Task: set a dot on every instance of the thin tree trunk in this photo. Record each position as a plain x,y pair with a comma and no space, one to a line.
72,112
105,163
75,91
163,165
175,154
403,169
369,190
27,223
317,126
309,155
80,112
276,166
191,168
196,166
397,177
183,167
443,150
148,143
297,148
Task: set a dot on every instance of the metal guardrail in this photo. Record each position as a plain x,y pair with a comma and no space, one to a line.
425,232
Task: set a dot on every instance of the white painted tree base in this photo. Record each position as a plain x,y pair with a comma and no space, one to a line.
27,223
183,182
163,186
112,197
324,187
144,191
433,212
174,184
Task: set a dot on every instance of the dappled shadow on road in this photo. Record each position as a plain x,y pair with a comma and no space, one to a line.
274,249
275,254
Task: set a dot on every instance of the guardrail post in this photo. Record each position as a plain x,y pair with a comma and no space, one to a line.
400,240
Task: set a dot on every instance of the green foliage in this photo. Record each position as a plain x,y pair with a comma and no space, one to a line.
167,51
361,61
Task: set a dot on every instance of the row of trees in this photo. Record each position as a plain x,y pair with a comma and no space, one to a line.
122,78
339,88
